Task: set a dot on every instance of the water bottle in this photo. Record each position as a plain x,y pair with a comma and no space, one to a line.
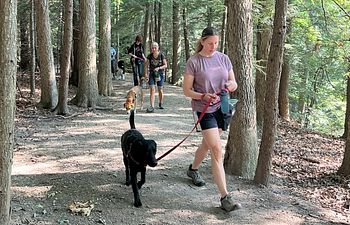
224,102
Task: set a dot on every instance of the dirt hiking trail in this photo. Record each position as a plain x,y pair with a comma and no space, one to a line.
60,160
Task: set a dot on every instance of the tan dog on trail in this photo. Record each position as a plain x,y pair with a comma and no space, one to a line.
134,95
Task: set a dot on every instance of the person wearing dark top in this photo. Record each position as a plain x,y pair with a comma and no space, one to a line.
136,51
155,67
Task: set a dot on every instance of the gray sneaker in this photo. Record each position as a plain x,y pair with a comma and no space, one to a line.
196,177
228,205
150,109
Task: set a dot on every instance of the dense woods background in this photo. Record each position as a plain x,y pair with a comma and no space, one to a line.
291,60
316,45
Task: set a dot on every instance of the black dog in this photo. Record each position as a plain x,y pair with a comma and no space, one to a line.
137,154
121,65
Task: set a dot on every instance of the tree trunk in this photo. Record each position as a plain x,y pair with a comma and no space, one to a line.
49,93
8,66
209,16
33,53
74,79
262,174
263,38
62,107
185,29
87,93
347,114
283,101
159,26
24,35
303,96
345,166
146,41
175,73
104,66
241,149
223,30
115,31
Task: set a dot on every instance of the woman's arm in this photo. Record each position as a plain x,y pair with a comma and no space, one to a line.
231,84
165,64
189,92
187,87
162,67
130,52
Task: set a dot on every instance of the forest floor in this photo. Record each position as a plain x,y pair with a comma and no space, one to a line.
61,160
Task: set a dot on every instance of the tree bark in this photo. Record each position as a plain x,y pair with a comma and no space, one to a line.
303,95
262,51
146,41
223,30
87,93
262,174
345,166
115,31
175,73
32,50
347,113
104,66
62,107
241,149
263,39
24,35
185,30
74,78
283,101
159,25
49,93
8,66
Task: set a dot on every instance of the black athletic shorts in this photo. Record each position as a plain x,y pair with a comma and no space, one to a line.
215,119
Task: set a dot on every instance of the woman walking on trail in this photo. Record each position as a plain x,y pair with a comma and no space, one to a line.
136,51
156,64
207,73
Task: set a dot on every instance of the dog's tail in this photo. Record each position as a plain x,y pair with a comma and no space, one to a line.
132,119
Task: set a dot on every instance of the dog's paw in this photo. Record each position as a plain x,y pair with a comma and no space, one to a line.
137,203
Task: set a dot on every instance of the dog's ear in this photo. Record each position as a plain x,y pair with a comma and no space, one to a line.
152,145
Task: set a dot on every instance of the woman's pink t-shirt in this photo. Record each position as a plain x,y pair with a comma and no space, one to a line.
210,75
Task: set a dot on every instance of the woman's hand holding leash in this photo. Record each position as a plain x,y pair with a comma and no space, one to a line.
207,96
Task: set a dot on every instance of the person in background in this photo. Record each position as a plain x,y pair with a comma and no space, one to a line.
136,51
155,71
207,73
113,56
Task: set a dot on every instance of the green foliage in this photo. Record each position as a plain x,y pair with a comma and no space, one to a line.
318,45
319,48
